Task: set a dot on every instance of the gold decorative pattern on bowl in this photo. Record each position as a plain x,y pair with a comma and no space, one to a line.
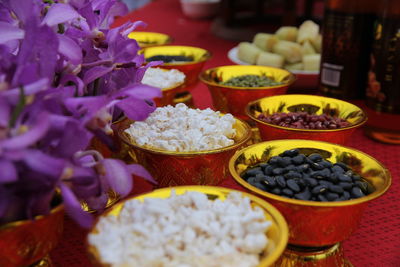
23,243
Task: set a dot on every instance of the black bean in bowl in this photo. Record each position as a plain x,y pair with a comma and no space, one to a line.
307,177
170,58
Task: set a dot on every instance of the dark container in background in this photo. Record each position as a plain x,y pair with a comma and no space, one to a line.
383,88
346,46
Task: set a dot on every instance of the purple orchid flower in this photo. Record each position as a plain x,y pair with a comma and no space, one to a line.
64,74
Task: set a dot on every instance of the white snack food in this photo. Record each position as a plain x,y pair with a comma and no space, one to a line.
183,230
163,78
184,129
248,52
270,59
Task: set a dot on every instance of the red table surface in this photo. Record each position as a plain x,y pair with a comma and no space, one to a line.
375,243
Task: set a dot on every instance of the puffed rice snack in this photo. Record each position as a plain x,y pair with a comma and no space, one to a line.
187,230
163,78
183,129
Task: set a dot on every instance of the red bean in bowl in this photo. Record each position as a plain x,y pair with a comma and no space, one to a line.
304,120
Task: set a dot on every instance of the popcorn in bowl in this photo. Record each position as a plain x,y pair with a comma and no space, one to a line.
163,78
183,129
183,230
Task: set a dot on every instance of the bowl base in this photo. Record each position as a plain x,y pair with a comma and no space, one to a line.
45,262
185,98
296,256
113,198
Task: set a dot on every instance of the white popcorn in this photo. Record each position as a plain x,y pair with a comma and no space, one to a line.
186,230
183,129
163,78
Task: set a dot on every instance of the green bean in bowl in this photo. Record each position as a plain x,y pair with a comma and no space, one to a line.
251,81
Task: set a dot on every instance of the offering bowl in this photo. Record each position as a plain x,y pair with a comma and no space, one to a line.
233,99
171,168
147,39
277,234
305,103
190,68
314,224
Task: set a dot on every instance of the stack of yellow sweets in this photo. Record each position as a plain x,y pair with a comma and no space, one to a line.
290,47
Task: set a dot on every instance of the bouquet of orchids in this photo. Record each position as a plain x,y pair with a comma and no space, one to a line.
64,75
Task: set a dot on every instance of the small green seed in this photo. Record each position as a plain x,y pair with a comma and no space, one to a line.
251,81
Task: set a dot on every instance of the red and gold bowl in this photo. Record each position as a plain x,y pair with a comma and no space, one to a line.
277,234
147,39
27,242
312,223
234,99
190,68
170,168
309,103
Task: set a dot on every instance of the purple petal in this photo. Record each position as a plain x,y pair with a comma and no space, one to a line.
117,176
95,73
10,32
135,109
60,13
74,209
128,27
76,80
85,107
4,112
89,15
29,89
30,137
43,163
140,91
139,170
23,9
98,202
70,49
8,172
69,143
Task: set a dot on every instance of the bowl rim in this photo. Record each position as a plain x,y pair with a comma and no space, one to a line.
250,115
169,38
56,209
246,138
242,182
268,208
292,78
207,54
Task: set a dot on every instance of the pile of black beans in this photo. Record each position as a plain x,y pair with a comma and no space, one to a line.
295,175
170,59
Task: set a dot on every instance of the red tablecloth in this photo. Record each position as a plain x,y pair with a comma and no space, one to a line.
375,243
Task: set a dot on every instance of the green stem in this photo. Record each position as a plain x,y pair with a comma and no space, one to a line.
18,108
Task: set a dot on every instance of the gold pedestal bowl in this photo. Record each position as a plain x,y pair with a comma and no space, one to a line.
169,95
190,68
171,168
233,99
315,224
277,234
305,103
